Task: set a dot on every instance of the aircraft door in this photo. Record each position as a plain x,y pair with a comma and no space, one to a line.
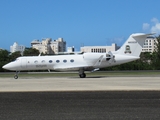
24,63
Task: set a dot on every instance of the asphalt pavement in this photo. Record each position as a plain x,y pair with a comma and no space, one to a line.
73,98
91,105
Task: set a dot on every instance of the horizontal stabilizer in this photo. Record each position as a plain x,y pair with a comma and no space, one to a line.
142,34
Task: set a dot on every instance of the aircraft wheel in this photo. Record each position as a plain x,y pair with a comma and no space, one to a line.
16,77
83,75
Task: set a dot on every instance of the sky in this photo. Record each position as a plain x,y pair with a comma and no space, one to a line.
78,22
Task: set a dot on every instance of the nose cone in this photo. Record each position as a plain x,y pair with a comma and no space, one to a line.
13,66
7,67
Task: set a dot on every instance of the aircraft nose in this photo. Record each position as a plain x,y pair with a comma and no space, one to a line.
6,66
11,66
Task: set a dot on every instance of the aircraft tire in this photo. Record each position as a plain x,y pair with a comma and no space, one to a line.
83,75
16,77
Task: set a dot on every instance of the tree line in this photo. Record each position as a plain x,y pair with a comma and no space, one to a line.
6,56
147,61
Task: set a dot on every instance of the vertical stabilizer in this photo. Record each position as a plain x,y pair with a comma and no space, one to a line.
133,46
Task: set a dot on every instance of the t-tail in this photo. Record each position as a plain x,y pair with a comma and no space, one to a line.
133,46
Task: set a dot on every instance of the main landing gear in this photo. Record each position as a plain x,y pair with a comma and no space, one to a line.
16,75
81,73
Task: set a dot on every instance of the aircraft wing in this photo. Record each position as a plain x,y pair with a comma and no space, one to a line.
77,67
65,67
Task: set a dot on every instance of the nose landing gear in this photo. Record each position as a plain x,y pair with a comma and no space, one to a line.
16,75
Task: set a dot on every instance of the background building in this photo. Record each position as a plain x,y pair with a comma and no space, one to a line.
47,46
100,49
149,45
70,49
17,47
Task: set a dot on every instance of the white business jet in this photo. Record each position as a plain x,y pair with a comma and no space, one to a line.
130,51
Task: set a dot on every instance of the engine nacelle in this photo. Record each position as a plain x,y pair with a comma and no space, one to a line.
110,57
91,58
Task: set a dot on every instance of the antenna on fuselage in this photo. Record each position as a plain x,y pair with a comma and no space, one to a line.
39,54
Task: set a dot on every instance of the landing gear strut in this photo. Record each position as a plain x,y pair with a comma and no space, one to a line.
81,73
16,75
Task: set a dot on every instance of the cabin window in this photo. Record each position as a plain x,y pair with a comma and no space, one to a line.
35,61
72,60
50,61
43,61
64,61
92,50
57,61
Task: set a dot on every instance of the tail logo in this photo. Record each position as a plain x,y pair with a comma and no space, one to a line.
128,50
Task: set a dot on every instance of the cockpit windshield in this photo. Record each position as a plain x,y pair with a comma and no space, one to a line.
16,60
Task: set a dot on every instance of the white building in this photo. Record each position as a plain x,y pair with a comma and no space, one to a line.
100,49
17,47
47,46
70,49
149,45
1,49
